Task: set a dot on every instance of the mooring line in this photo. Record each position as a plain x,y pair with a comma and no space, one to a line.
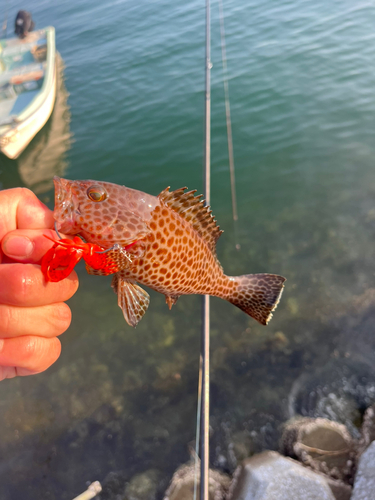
229,126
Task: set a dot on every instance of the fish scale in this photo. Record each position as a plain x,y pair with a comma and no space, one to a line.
170,243
177,258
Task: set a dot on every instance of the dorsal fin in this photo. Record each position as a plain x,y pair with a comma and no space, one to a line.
192,209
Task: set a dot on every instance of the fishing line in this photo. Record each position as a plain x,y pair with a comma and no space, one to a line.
197,430
229,126
5,23
204,372
205,334
116,246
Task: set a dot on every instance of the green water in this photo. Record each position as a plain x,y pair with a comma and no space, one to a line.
121,402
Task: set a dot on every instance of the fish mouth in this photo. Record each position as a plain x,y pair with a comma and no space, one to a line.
66,206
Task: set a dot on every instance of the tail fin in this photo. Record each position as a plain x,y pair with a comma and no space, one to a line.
257,295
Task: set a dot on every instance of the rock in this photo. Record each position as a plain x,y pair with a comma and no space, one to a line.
113,485
340,490
182,484
335,391
364,483
242,445
143,486
367,429
321,444
270,476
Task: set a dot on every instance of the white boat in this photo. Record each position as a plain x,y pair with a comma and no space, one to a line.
27,88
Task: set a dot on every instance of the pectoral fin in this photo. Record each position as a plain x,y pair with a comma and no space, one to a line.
132,299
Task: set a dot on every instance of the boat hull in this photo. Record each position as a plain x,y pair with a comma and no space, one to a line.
15,137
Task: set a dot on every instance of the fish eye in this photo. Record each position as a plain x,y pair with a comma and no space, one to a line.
96,193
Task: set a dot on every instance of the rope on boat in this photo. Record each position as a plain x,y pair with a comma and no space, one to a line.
229,125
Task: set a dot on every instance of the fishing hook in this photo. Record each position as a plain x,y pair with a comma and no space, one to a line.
116,246
58,234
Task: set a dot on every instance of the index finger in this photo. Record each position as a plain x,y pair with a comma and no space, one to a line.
21,209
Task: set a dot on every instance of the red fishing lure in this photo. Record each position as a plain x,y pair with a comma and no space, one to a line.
60,260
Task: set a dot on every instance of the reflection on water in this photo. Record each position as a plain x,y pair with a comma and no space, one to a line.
45,156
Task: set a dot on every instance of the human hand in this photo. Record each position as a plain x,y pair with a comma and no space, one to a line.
32,312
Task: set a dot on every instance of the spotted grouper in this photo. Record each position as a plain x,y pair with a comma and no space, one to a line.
166,242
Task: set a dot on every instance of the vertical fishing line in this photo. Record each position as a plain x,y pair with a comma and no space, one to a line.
5,22
197,430
205,336
229,126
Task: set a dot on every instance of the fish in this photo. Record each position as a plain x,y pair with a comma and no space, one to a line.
165,242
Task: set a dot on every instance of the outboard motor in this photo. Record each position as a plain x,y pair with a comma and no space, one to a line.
23,23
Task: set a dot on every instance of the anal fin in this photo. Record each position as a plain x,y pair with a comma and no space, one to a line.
171,300
132,299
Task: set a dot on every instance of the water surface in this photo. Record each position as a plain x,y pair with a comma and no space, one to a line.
121,402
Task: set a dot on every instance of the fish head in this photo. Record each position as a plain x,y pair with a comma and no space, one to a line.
102,212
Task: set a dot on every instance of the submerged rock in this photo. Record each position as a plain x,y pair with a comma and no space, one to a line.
183,481
337,391
143,486
340,490
322,445
364,484
270,476
367,429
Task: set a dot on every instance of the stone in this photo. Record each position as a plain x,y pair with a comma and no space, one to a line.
183,480
342,386
321,444
364,483
143,486
367,429
340,490
270,476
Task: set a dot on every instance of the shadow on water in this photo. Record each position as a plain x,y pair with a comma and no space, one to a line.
45,156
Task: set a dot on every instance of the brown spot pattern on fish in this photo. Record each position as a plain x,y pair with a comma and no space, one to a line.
170,243
258,295
177,259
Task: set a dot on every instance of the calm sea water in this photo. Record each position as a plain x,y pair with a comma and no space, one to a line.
121,402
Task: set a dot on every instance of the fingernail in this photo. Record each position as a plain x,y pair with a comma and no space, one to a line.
18,246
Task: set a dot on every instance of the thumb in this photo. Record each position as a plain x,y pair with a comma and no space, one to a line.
28,245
